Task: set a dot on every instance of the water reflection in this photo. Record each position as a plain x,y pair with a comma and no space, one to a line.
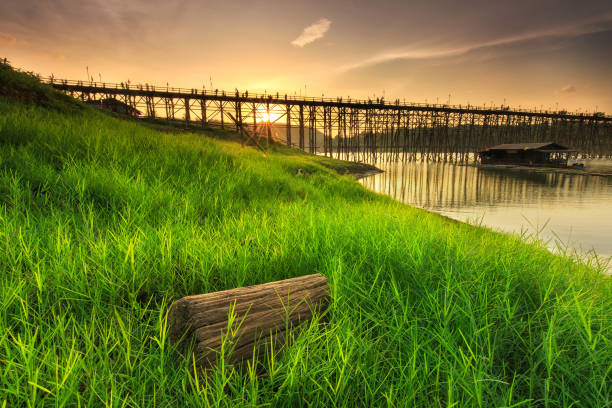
570,209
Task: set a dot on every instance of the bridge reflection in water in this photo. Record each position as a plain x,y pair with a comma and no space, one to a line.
568,210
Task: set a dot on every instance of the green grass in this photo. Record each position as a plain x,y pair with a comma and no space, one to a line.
103,223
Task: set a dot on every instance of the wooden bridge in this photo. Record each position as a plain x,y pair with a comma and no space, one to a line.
362,130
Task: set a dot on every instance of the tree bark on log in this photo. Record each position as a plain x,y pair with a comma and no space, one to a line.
245,319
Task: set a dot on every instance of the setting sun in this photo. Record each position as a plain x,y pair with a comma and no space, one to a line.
272,116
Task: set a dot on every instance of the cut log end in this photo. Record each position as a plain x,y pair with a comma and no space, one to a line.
245,319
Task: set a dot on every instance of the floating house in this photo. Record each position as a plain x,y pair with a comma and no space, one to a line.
546,154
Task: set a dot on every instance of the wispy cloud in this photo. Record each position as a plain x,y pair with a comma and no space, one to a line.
566,90
7,39
10,40
587,27
313,32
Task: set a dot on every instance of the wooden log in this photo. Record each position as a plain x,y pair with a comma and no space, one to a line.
245,319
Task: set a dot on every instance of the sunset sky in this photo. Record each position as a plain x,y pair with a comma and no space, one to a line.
527,53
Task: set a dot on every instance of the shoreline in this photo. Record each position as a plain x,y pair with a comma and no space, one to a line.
358,171
355,169
570,171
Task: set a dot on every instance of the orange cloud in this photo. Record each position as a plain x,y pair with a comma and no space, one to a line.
11,41
50,55
7,39
566,89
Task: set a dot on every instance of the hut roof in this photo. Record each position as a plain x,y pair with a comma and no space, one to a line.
543,147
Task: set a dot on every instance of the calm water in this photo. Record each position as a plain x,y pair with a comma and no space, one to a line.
568,210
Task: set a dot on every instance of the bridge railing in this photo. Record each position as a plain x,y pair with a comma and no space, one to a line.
296,98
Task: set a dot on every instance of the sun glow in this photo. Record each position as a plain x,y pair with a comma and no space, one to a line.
272,116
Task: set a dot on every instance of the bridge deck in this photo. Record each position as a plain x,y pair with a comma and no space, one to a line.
181,93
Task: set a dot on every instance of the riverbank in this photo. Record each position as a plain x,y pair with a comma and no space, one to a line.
568,170
104,223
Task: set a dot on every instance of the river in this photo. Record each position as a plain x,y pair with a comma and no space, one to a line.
571,212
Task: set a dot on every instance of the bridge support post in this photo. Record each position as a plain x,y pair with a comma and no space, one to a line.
239,117
268,126
203,111
301,127
312,118
187,110
255,120
288,125
325,134
221,112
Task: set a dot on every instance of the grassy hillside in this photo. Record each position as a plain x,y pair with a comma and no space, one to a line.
103,223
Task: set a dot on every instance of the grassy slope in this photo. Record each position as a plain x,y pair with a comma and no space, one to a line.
104,223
